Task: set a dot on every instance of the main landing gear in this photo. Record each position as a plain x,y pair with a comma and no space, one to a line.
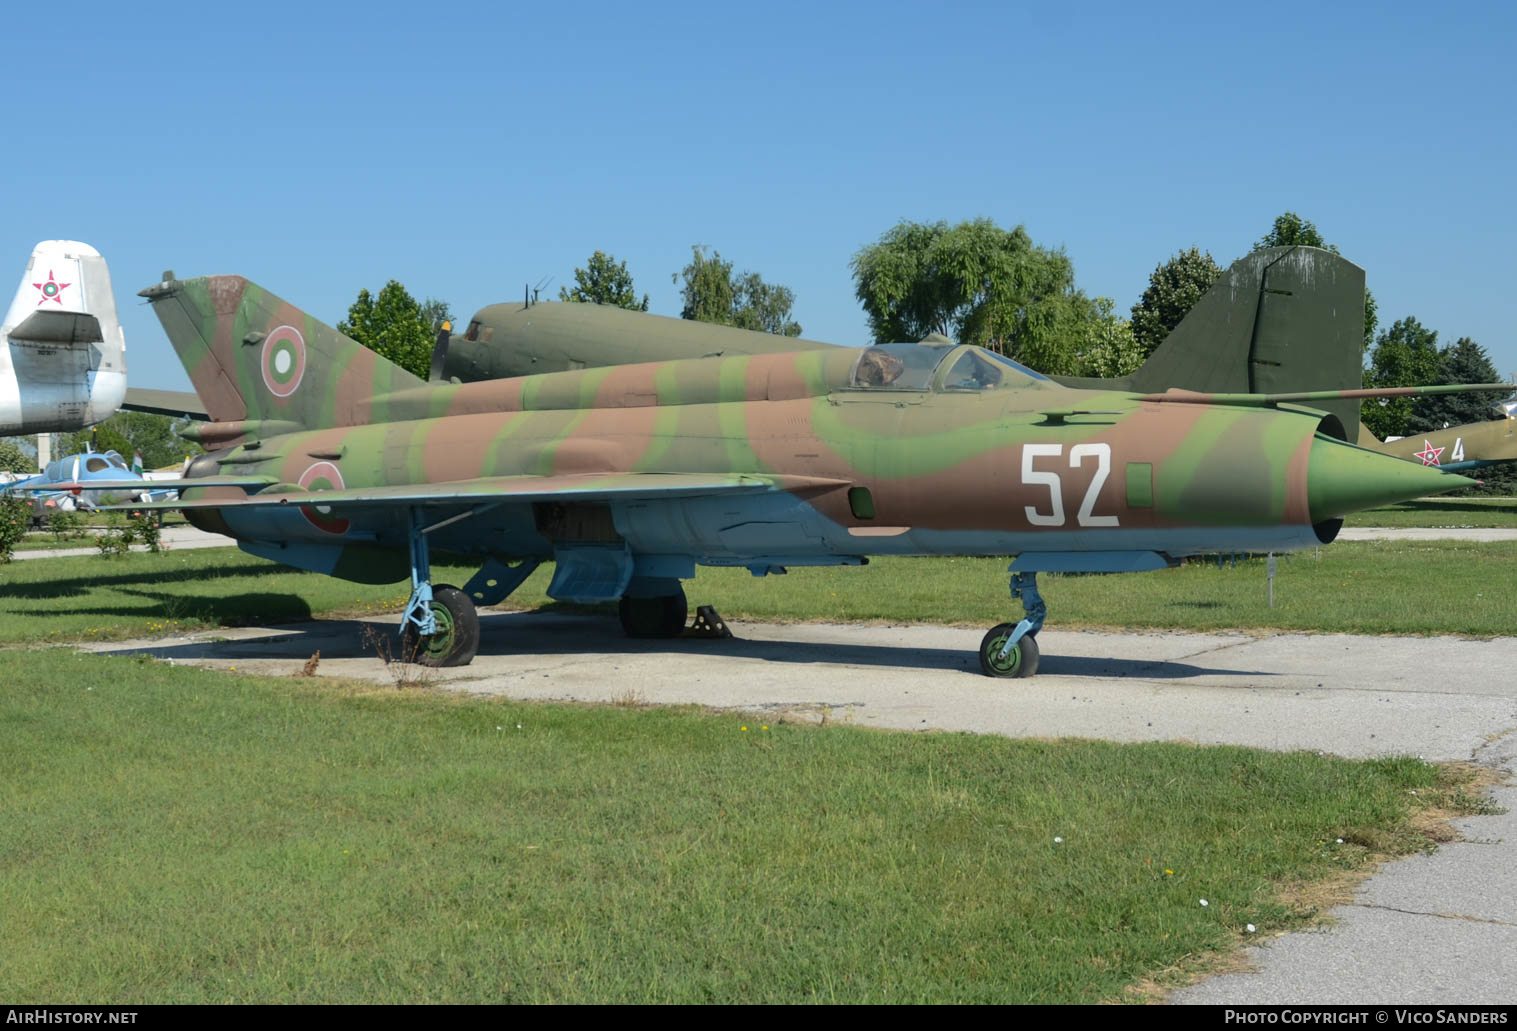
1011,650
660,612
440,626
454,637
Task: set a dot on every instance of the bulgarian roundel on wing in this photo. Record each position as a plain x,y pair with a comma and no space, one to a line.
323,476
284,360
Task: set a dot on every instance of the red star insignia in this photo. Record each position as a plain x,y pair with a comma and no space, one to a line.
1429,454
51,291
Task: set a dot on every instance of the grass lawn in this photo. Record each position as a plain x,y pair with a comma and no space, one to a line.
1442,513
174,835
1439,587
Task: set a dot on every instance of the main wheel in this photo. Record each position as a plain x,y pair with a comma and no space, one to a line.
1021,661
663,616
457,639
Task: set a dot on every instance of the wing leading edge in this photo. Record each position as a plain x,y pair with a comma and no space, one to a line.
608,487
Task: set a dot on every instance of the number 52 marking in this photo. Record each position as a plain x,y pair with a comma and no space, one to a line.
1077,455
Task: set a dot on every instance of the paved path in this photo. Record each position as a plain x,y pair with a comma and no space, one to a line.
1440,928
1426,533
174,537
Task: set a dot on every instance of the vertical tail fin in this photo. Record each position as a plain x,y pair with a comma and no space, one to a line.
254,357
1279,320
65,364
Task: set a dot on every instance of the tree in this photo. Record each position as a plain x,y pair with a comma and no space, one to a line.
713,293
154,437
15,460
708,289
99,437
393,326
1173,289
1463,361
1291,230
980,284
1113,350
605,281
434,313
1406,355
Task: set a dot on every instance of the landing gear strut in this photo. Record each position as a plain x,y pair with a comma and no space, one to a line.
1011,650
440,626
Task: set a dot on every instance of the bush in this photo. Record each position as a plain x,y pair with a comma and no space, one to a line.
115,542
15,521
149,530
65,525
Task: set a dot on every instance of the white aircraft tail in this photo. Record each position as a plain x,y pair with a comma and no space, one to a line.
63,363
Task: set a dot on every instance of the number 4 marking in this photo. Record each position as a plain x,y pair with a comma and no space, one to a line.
1077,456
1458,455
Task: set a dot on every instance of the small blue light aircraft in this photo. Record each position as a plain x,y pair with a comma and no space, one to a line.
103,466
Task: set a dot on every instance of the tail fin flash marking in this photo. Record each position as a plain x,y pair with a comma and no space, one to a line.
284,360
253,356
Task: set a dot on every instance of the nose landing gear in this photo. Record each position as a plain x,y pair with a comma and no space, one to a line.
1011,650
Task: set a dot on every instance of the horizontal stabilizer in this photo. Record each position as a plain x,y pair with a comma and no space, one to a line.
58,327
173,403
515,489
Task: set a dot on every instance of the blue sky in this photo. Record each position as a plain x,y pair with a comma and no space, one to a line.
468,149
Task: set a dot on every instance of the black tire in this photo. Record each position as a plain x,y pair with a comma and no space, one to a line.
1021,661
457,639
663,616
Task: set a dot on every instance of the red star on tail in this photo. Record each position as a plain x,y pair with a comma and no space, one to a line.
1429,454
51,291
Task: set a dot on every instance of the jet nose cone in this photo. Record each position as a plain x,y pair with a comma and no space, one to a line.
1342,478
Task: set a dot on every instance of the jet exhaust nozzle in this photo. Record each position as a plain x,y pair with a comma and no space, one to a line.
1342,478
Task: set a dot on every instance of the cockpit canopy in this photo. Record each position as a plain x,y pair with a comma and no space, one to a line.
938,368
91,462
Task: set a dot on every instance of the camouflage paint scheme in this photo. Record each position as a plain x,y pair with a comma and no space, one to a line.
631,476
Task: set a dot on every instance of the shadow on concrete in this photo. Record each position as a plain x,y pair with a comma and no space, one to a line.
561,633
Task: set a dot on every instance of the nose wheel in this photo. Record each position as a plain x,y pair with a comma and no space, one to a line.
996,660
1011,649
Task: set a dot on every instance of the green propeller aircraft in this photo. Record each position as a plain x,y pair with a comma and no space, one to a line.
327,457
1473,445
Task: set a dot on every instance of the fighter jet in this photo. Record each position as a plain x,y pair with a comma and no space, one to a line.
63,364
327,457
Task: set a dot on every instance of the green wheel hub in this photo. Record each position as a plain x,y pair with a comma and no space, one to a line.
457,637
436,646
1020,661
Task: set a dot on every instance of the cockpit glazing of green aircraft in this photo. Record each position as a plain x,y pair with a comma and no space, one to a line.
938,368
